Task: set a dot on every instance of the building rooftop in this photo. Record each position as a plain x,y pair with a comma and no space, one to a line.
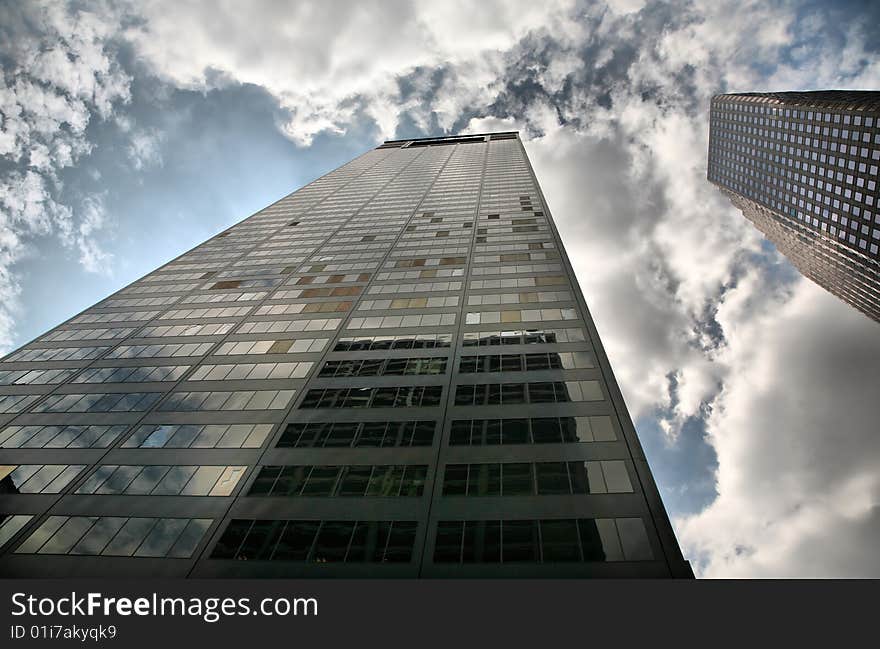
452,139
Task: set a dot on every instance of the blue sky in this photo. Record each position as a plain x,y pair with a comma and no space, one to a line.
133,131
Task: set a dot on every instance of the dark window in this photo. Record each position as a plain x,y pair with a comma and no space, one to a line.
354,481
591,542
546,431
341,434
447,545
469,364
384,397
561,389
265,480
296,542
455,480
368,541
520,541
541,393
460,433
261,540
423,433
396,366
578,473
332,542
400,542
484,480
512,393
431,396
371,367
321,481
465,395
385,481
337,541
559,540
356,398
552,478
235,533
413,483
515,431
396,433
517,479
493,432
291,436
537,361
372,434
482,542
290,481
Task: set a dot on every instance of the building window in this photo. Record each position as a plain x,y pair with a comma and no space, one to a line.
386,481
542,541
520,393
542,430
159,480
541,478
390,397
37,478
116,536
525,362
357,434
315,541
384,367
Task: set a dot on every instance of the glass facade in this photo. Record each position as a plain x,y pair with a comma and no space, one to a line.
802,166
390,372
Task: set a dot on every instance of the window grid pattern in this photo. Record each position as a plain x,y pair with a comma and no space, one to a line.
357,293
803,167
542,541
317,541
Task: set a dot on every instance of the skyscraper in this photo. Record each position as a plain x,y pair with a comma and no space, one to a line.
802,166
390,372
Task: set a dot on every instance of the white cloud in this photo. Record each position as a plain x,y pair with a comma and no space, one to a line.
798,477
324,60
63,77
145,148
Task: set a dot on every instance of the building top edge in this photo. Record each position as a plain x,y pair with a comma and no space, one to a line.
464,137
831,99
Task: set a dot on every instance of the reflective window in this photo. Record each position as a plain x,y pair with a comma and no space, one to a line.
161,480
199,436
237,400
540,478
358,434
116,536
10,525
515,393
384,366
59,436
542,541
37,478
391,397
356,480
317,541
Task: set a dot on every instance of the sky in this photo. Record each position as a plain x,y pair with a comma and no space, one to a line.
132,131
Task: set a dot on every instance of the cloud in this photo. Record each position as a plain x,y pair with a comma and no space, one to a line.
61,75
327,61
145,149
798,479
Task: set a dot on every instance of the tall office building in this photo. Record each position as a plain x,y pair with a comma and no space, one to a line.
388,373
802,166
